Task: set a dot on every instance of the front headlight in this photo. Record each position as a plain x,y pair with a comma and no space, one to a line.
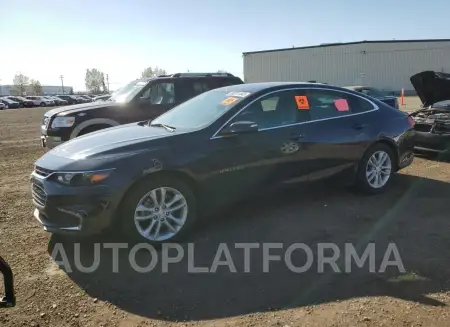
82,178
63,122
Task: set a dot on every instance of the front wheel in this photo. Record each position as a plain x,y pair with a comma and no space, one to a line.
375,169
159,209
43,104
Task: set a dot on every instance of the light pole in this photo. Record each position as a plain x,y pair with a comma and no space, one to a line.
62,83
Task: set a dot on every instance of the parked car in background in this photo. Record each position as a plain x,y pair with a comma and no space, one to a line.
378,94
81,99
153,179
102,97
51,99
9,103
59,101
2,106
22,101
69,98
432,121
86,97
141,99
41,101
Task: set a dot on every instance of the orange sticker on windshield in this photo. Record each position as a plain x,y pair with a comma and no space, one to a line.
229,101
302,102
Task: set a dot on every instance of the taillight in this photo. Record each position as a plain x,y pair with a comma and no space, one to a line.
411,122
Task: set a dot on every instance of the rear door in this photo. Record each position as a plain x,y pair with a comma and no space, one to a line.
338,132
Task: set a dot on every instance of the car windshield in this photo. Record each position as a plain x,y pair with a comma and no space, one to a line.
20,98
128,92
8,100
199,111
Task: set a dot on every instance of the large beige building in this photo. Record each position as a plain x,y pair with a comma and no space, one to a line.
383,64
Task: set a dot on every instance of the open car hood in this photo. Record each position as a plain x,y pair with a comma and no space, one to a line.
431,87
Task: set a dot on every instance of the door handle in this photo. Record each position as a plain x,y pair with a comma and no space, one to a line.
297,136
358,126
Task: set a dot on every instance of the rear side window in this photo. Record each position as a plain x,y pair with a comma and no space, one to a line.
200,87
322,104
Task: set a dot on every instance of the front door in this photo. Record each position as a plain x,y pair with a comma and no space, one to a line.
153,102
273,154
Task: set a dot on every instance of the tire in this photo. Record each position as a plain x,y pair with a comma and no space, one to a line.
93,128
43,104
135,197
366,183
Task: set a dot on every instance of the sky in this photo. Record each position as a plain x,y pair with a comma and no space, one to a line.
44,39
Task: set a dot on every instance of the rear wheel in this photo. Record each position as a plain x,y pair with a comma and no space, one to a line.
375,169
43,104
159,209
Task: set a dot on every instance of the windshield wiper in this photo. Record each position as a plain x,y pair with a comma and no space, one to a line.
167,127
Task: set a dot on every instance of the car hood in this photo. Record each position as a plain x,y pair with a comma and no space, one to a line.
67,110
431,87
115,141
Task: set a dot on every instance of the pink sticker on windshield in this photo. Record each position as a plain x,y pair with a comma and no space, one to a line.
341,105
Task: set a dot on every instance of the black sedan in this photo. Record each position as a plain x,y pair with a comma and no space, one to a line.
154,178
10,104
22,101
432,121
69,98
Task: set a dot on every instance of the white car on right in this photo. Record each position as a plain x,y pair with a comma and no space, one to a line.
41,101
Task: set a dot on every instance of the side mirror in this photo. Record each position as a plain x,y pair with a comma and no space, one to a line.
240,127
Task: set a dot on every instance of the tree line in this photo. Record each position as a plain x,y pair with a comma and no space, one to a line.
23,84
95,80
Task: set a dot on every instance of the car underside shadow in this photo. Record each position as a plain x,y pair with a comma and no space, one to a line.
411,217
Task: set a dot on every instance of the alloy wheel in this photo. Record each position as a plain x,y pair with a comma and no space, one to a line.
378,169
161,214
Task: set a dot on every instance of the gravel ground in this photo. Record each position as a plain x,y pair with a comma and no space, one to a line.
413,214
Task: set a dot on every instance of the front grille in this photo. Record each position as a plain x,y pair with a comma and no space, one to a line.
422,127
42,171
39,195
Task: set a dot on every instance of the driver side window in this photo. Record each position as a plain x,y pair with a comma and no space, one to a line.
273,110
161,93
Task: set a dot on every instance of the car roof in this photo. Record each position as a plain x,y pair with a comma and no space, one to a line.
355,87
256,87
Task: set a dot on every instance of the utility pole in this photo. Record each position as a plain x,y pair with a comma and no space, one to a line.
62,83
107,81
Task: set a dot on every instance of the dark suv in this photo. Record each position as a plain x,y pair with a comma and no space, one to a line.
142,99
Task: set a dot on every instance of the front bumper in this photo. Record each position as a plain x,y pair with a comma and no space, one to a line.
432,142
50,141
73,210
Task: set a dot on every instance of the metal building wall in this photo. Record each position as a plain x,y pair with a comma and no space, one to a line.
385,65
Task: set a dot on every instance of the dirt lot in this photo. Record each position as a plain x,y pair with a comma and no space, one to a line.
413,214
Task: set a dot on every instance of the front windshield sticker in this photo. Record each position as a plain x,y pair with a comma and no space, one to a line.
238,94
229,101
302,102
